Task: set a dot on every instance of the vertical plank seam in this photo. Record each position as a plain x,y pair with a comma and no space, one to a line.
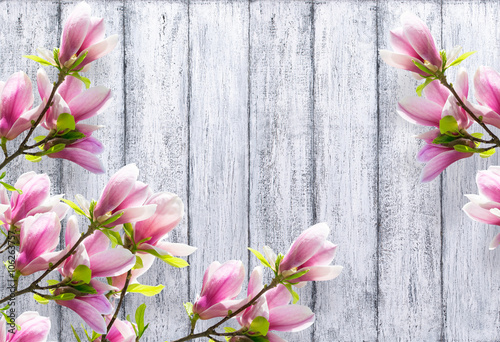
249,84
123,312
313,151
188,173
441,266
377,185
59,185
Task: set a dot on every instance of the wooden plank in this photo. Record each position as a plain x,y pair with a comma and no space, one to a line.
281,129
470,271
409,300
345,154
108,72
24,26
156,83
218,140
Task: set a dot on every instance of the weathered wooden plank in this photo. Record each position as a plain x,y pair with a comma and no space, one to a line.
345,155
470,271
218,139
409,300
108,72
281,128
24,26
156,84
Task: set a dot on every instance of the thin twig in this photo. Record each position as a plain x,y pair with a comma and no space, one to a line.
122,296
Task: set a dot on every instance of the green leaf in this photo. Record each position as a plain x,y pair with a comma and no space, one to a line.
258,338
65,121
84,288
72,135
85,80
76,335
82,273
294,294
260,325
39,138
129,230
11,188
146,290
38,59
259,256
465,149
33,159
3,175
112,219
487,154
448,125
79,60
461,58
56,56
421,87
444,139
62,296
40,299
114,237
189,308
53,149
139,319
422,67
172,261
477,135
138,263
74,206
297,275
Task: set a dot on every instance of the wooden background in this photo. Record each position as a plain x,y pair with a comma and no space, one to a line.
267,117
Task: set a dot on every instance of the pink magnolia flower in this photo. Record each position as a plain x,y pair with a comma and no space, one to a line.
94,253
124,195
274,306
38,239
312,252
412,41
148,234
16,100
485,207
34,328
121,331
487,88
147,261
428,111
221,284
33,200
82,33
72,98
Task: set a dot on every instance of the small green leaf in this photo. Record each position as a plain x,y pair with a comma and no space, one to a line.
477,135
112,219
53,149
129,230
172,261
189,308
11,188
62,296
487,154
259,256
444,139
114,237
72,135
138,263
139,319
260,325
76,335
448,125
41,299
294,294
3,175
56,56
39,138
258,338
461,58
65,121
464,149
38,59
422,86
33,159
146,290
82,273
85,80
74,206
297,275
79,60
422,67
84,288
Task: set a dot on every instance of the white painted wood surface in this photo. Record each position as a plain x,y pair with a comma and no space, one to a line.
269,116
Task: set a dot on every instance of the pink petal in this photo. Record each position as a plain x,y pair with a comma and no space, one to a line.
290,318
278,296
34,328
87,312
462,83
437,164
319,273
35,192
452,108
43,83
136,197
214,266
176,249
324,256
96,243
489,116
495,242
42,262
135,214
420,38
430,151
487,87
95,33
16,98
72,233
70,88
100,49
74,31
400,61
274,338
429,136
255,283
221,309
112,262
400,44
488,184
23,123
419,110
477,213
89,102
436,92
85,159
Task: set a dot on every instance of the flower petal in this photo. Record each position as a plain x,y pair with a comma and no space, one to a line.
420,111
290,318
437,164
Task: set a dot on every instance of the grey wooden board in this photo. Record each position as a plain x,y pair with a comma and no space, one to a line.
266,117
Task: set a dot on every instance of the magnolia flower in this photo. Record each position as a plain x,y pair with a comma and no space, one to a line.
72,98
438,103
33,200
81,33
413,41
16,99
94,253
123,195
121,331
34,328
147,261
275,308
221,285
487,88
310,252
485,207
148,234
38,239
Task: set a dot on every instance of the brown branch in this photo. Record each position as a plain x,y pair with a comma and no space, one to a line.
122,296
